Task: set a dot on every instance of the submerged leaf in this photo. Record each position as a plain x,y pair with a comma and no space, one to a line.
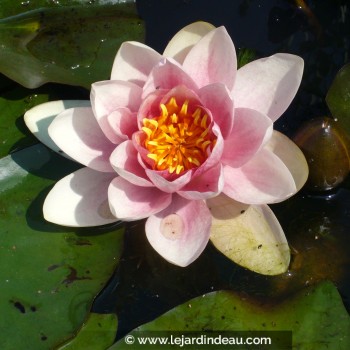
316,317
338,98
49,275
326,148
69,45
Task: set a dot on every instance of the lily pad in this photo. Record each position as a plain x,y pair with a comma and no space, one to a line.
49,275
338,98
98,333
73,45
13,104
14,7
316,317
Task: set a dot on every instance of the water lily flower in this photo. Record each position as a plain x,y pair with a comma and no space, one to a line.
185,140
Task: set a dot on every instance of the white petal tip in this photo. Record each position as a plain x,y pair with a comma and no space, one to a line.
80,200
39,118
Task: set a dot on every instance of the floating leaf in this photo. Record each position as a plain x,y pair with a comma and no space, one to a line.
316,317
13,104
71,45
97,333
49,274
338,97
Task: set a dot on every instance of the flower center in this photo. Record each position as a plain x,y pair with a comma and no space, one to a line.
178,140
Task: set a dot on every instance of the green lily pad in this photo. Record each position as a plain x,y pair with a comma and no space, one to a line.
338,97
98,333
12,105
14,7
49,275
73,45
316,317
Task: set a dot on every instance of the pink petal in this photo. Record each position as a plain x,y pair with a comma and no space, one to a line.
181,231
207,185
150,107
125,163
78,134
130,202
269,84
264,179
217,99
185,39
165,76
251,130
212,59
123,123
108,97
138,139
182,93
214,158
80,199
291,156
133,62
159,180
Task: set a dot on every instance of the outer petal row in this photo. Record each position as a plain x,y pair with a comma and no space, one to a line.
39,118
212,59
80,199
292,157
264,179
133,62
182,42
251,130
77,133
181,231
268,84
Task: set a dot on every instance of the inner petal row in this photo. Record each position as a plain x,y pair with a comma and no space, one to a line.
179,139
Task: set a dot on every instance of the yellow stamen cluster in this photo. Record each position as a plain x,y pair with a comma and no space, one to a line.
178,140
